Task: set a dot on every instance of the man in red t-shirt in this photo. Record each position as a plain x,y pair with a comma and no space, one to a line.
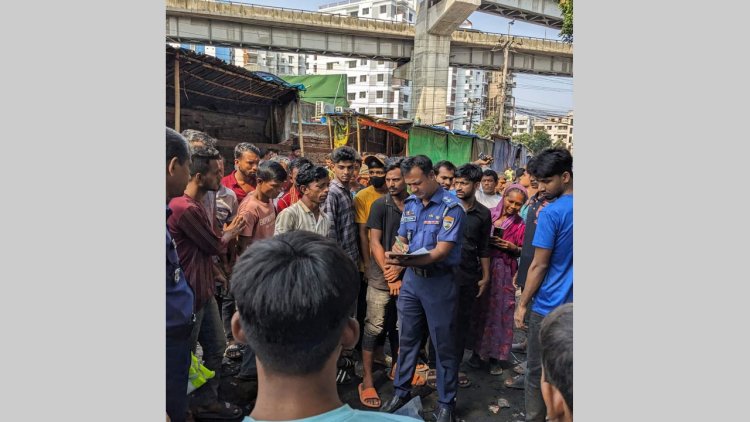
242,179
257,208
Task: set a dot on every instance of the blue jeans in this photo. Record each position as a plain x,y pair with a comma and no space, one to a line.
536,410
209,331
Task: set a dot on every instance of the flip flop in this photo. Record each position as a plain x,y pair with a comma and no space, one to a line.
233,351
463,380
520,369
369,394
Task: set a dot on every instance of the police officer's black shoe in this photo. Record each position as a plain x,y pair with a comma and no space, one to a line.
445,415
395,403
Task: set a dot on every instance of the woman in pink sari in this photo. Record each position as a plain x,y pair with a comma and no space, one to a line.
493,317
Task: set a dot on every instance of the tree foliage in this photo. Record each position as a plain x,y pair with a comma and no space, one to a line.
566,7
487,126
536,142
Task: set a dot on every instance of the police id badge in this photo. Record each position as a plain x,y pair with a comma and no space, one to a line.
448,222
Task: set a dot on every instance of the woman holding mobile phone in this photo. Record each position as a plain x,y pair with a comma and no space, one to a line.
493,319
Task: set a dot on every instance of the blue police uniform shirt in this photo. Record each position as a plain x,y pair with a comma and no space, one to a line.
179,294
441,220
554,231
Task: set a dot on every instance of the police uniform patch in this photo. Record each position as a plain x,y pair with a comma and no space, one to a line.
448,222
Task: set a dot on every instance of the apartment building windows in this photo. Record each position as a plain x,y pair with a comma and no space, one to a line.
365,10
351,96
363,62
381,77
383,9
329,66
362,94
352,64
379,94
363,78
351,80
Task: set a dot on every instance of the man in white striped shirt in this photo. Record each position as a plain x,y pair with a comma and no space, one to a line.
305,214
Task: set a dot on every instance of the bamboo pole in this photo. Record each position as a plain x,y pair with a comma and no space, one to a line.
330,131
177,92
359,142
299,127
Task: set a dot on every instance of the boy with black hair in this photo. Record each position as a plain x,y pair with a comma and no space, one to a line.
486,195
305,214
550,277
294,297
257,208
383,220
197,243
339,205
445,171
556,339
473,274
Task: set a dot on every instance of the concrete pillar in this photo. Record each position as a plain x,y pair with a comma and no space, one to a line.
431,56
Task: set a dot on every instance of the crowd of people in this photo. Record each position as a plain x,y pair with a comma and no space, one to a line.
303,272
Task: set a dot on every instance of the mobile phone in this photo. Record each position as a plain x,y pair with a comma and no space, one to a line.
498,232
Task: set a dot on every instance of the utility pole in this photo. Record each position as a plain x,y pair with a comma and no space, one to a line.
471,113
503,86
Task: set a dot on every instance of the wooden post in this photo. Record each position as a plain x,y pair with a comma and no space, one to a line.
177,92
299,127
330,131
359,142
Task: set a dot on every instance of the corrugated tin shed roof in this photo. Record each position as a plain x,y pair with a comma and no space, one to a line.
210,83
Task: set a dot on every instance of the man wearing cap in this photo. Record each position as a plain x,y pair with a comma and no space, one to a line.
375,169
433,220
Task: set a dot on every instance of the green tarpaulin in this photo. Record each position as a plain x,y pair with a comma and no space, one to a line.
440,145
330,89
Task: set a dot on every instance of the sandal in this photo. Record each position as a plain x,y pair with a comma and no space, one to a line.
223,411
417,380
432,378
516,382
520,369
387,362
496,369
233,351
343,377
345,362
369,394
463,380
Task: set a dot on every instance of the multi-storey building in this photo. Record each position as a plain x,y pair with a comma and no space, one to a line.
371,87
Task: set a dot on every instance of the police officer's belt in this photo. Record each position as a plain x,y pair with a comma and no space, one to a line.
432,271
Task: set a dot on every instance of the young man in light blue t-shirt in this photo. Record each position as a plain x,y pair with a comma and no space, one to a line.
550,277
295,295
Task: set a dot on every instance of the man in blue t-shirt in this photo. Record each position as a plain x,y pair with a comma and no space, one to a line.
295,298
550,278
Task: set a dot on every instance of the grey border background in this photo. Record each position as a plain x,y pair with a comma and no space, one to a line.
83,213
660,104
660,229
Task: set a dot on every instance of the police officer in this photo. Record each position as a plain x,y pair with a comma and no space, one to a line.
433,220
